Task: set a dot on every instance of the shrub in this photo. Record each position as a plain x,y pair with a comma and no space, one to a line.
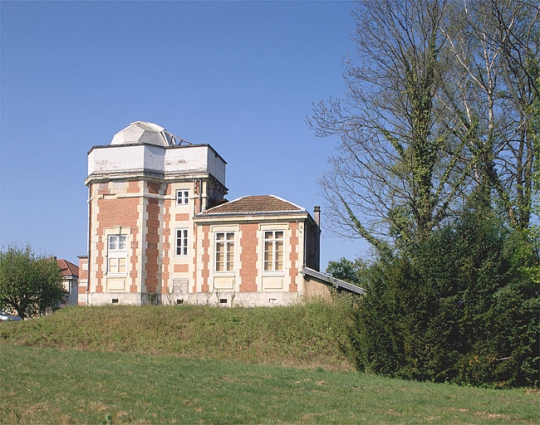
459,308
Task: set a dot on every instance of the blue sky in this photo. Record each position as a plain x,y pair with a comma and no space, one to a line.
240,76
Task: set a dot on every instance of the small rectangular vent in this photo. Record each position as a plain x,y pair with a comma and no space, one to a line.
115,300
179,301
223,300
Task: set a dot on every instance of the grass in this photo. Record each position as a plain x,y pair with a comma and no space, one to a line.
54,386
300,336
190,365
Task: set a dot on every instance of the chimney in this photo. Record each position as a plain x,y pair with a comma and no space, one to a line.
317,215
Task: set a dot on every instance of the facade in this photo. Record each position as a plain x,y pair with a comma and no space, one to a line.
160,230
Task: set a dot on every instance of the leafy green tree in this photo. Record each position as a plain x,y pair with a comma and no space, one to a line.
346,270
461,308
28,283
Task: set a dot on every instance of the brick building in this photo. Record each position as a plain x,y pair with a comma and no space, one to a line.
160,230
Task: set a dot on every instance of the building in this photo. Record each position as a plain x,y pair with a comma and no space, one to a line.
160,230
70,274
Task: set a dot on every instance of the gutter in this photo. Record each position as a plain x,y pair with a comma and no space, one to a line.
336,283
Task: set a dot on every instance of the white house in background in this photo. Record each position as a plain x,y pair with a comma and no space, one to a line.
161,231
70,273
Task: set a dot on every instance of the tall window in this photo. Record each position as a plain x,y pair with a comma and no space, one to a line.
117,254
182,197
181,242
273,250
225,252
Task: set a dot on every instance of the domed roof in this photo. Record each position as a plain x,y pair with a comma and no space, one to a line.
144,133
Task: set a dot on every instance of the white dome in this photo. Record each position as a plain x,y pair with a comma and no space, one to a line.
144,133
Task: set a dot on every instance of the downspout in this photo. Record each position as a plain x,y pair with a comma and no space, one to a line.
317,231
200,195
88,233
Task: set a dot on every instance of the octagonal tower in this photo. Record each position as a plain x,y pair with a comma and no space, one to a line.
144,189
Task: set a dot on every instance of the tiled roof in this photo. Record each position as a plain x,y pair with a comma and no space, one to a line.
68,269
254,204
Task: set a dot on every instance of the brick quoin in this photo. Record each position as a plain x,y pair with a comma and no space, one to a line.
248,257
166,222
195,236
134,274
83,275
152,241
293,287
205,258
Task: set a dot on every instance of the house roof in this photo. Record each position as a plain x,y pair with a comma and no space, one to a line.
255,204
68,269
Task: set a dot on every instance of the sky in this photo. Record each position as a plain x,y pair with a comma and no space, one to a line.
241,76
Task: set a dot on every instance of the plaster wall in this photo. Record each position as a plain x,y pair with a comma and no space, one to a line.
172,160
116,159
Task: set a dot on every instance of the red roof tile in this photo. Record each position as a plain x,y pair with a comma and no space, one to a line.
68,269
254,204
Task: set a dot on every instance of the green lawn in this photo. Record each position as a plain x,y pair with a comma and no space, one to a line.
196,364
48,386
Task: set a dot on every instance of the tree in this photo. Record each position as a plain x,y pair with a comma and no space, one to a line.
495,45
28,283
461,308
398,168
437,168
346,270
441,104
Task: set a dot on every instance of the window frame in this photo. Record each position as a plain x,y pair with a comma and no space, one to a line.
183,196
184,245
117,249
274,250
227,252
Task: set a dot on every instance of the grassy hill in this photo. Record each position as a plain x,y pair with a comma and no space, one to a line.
300,336
190,364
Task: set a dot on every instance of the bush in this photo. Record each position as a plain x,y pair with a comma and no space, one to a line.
459,308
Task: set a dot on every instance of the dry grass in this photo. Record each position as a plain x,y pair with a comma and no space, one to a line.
298,336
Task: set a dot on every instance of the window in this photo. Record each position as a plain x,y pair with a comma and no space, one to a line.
117,254
273,251
181,242
117,265
225,252
117,243
182,197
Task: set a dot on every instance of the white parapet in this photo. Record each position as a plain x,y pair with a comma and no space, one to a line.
173,160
